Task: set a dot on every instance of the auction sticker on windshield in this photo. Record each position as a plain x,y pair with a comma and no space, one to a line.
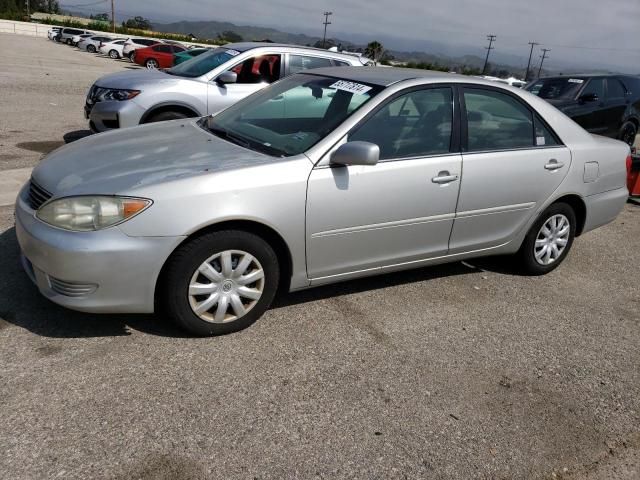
575,80
351,87
233,53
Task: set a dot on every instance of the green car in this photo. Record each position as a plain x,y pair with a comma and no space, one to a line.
188,54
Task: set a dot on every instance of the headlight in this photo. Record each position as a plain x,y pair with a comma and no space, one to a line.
115,94
85,214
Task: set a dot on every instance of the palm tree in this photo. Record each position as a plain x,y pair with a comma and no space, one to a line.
374,51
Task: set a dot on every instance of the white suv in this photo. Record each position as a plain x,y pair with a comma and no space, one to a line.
203,85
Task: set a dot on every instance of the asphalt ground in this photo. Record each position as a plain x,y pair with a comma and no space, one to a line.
467,370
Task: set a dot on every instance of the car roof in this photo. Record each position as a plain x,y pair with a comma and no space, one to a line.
386,76
244,46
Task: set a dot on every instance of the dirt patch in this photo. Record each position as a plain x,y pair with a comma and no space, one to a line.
47,350
165,467
40,147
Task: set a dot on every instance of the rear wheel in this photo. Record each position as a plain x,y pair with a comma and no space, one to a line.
114,54
628,133
220,282
91,49
151,63
68,41
549,240
131,55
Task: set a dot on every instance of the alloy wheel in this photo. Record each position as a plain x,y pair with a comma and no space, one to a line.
113,54
552,239
226,286
151,64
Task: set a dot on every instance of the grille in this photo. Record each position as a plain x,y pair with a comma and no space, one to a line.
71,289
37,195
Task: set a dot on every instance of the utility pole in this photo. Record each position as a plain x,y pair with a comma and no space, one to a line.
526,75
113,17
491,39
544,55
326,22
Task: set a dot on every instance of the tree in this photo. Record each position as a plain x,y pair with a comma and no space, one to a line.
374,51
139,23
329,43
229,36
100,17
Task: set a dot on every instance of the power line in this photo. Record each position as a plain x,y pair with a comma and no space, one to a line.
526,75
491,39
326,22
544,55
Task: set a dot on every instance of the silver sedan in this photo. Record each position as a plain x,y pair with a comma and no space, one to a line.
325,176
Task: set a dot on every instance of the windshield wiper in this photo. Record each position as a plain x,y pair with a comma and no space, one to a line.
243,141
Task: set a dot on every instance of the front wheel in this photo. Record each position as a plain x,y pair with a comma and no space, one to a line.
220,282
628,133
151,63
114,54
549,240
91,49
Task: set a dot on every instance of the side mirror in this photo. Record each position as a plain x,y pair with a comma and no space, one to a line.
356,153
227,77
588,97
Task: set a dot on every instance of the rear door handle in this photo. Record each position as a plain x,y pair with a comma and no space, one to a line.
553,164
444,177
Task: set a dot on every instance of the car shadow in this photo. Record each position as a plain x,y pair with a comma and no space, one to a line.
22,305
70,137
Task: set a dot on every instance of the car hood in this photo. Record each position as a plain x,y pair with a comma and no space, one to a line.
136,79
117,162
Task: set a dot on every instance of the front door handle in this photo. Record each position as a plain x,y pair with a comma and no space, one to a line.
553,165
444,177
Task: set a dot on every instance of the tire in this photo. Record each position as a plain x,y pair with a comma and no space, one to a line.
164,116
131,55
114,54
527,253
91,49
68,41
183,269
628,132
151,64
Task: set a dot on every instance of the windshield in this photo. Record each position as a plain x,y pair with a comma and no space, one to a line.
198,66
292,115
550,88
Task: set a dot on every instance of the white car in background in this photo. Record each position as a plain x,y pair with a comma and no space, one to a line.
134,43
112,48
91,44
78,38
53,32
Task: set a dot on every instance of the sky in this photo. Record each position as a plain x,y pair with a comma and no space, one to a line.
602,33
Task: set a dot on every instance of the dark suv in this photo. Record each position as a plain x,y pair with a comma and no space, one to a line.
604,104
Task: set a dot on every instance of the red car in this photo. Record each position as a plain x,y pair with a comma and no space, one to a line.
159,55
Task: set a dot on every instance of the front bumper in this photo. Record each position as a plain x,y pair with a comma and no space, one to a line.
104,271
110,115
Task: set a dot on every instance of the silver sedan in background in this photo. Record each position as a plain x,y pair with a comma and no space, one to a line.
324,176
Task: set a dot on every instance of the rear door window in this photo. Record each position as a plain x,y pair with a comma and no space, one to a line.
615,88
162,48
496,121
298,63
